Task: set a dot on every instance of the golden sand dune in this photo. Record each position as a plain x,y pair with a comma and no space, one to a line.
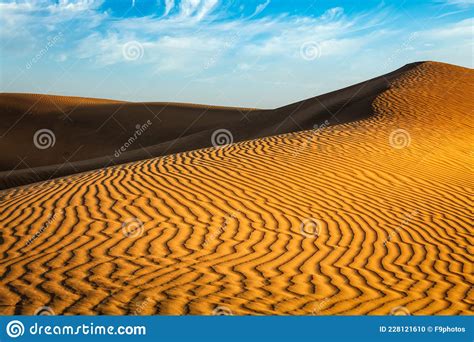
44,137
40,104
358,218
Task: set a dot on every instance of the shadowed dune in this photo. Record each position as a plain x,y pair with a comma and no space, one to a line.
89,133
366,217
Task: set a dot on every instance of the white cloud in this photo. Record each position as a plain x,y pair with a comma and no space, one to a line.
47,5
169,4
185,38
176,43
188,7
461,29
459,3
76,5
260,8
37,16
200,38
206,7
333,13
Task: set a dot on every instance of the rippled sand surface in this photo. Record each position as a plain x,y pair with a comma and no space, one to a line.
370,217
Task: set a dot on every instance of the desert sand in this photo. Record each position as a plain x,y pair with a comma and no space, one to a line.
85,134
371,214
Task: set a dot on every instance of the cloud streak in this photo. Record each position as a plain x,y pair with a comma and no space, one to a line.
189,39
206,41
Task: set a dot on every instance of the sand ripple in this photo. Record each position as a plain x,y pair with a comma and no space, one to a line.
222,227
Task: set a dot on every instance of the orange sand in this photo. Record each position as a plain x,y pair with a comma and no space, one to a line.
222,227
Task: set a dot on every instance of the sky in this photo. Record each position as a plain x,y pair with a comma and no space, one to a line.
256,53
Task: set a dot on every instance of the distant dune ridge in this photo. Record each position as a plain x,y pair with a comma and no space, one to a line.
368,213
89,133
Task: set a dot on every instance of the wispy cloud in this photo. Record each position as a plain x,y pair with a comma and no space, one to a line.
459,3
169,4
209,41
259,9
173,43
188,37
452,32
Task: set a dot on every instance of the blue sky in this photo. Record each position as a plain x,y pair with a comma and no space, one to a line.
264,53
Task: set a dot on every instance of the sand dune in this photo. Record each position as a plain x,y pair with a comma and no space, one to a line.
85,134
365,217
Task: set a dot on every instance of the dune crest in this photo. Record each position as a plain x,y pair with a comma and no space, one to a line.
362,217
45,137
